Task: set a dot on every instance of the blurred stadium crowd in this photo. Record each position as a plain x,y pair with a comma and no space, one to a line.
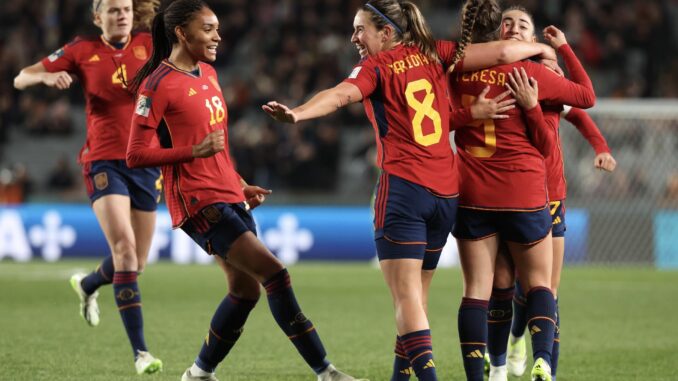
289,49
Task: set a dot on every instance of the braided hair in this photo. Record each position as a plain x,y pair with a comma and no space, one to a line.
469,13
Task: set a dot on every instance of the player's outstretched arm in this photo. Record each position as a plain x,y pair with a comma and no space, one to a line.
323,103
36,74
488,54
254,195
587,127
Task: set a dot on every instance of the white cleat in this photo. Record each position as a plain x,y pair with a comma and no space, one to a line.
188,376
498,373
516,358
89,309
147,364
332,374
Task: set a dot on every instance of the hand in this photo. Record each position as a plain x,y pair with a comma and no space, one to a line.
254,195
605,161
525,90
553,65
213,143
61,80
483,108
554,36
280,112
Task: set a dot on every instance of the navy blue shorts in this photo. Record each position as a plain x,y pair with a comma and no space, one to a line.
142,185
410,221
512,226
217,226
558,218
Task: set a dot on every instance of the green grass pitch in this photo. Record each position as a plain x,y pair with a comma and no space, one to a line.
617,324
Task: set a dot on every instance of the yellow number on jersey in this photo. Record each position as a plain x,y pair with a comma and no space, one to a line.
220,112
424,110
120,76
490,146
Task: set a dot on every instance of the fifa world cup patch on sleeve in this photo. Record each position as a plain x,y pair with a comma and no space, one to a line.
143,106
101,180
56,55
354,73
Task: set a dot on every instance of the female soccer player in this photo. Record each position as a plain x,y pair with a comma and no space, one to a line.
402,85
181,104
503,193
124,200
517,24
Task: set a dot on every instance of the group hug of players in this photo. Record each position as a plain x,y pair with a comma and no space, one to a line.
154,101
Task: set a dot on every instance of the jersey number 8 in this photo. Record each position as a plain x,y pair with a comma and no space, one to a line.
424,110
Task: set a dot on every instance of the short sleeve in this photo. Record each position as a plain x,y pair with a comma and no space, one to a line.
63,59
150,106
365,76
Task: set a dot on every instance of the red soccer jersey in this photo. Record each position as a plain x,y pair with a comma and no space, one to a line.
405,98
555,171
103,71
182,108
500,167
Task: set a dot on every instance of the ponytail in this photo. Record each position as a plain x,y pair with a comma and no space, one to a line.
418,31
469,14
407,22
162,48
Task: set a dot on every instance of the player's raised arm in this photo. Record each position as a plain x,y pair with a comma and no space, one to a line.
587,127
321,104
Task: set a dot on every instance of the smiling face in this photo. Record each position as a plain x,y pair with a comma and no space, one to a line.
517,25
201,35
366,38
115,18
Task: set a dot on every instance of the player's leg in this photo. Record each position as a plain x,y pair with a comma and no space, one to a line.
145,187
500,315
559,228
528,236
477,259
227,322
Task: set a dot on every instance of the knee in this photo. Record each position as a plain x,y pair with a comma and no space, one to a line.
246,291
124,254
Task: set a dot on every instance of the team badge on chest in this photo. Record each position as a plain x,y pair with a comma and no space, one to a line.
140,52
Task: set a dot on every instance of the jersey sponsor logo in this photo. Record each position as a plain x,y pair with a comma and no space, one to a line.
56,55
101,180
94,58
143,106
354,73
191,92
140,52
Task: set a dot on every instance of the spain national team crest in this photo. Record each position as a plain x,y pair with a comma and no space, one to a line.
214,82
140,52
101,180
211,214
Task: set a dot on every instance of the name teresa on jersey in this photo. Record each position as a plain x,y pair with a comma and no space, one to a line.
488,76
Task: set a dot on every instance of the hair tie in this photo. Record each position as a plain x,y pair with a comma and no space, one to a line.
388,20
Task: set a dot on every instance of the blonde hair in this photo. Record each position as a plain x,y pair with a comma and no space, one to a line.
144,11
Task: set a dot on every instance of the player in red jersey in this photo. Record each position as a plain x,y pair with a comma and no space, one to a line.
124,201
180,102
503,194
517,24
403,87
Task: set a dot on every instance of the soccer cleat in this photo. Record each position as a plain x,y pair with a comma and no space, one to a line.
516,359
486,366
498,373
89,309
147,364
541,371
187,376
332,374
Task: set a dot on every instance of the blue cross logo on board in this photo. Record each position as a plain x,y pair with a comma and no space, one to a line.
52,236
288,239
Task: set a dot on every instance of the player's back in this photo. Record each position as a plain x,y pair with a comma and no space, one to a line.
406,100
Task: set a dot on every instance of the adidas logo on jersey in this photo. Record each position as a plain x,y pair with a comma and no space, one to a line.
191,92
94,58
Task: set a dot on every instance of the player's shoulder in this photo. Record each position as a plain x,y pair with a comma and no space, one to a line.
158,79
83,41
144,38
